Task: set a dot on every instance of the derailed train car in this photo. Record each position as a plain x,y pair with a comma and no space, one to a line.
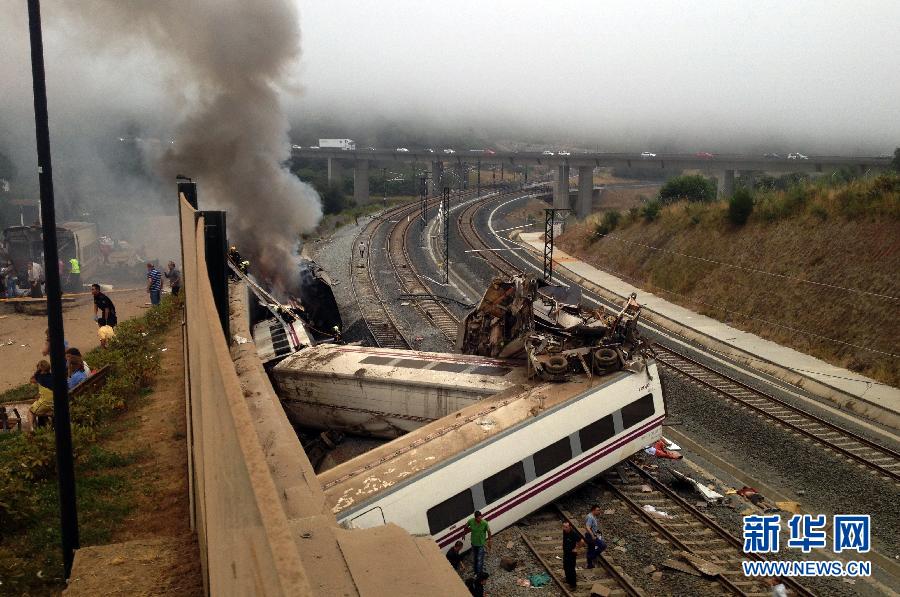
586,397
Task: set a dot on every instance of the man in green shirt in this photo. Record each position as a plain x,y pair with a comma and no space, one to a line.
481,537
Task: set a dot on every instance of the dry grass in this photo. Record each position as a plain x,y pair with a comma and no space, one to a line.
847,236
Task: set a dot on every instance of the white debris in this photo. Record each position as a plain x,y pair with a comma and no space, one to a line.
240,339
661,514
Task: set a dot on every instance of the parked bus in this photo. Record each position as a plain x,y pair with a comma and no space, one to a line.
25,245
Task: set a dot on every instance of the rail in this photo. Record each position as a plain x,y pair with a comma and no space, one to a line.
535,537
881,459
690,530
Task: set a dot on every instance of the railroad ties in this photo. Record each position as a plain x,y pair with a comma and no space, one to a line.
542,534
366,290
689,531
878,459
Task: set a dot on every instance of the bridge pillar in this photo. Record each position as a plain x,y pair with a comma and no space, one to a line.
561,192
725,184
361,182
436,182
335,170
584,204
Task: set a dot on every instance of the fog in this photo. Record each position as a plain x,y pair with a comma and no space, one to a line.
724,76
228,81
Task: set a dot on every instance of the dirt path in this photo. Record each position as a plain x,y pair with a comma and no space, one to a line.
22,335
156,554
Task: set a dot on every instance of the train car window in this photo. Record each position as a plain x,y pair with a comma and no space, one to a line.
596,433
506,481
552,456
450,511
637,411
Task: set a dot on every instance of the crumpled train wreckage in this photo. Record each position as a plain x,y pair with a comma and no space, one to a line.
521,317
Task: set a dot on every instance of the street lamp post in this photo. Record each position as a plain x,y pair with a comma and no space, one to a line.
61,424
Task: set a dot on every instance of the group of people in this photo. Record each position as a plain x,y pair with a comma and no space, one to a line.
10,279
572,541
154,281
77,370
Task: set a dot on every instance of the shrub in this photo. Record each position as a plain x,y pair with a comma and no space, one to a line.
608,223
651,210
740,206
690,187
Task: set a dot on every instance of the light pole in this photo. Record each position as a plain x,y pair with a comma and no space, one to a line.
68,512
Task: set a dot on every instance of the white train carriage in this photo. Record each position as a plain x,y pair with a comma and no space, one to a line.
383,392
506,456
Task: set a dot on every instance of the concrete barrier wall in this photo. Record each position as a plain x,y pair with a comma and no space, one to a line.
245,542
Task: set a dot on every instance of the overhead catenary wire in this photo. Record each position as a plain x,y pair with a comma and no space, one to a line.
753,269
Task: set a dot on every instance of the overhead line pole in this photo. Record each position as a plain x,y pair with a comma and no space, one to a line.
445,213
62,426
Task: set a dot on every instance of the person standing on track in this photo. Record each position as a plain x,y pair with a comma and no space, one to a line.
592,535
481,539
362,249
154,283
571,541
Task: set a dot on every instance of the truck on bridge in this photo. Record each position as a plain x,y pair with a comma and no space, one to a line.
345,144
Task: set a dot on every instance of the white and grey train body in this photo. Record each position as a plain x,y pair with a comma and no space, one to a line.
506,456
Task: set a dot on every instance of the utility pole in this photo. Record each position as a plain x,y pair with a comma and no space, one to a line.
62,426
424,180
445,214
478,188
384,185
549,229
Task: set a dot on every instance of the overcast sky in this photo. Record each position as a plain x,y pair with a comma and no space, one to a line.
812,75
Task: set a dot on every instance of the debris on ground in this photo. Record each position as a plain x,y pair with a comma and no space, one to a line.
708,494
539,580
508,564
659,513
600,590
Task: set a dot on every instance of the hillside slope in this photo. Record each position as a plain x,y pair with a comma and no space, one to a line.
693,256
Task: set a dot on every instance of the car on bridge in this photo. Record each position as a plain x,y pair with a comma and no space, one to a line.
773,156
313,146
648,154
547,152
797,156
563,152
489,152
371,149
705,155
429,150
448,150
402,150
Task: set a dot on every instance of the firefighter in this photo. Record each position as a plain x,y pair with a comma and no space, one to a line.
244,267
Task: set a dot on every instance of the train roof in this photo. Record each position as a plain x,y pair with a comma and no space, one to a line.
402,459
405,367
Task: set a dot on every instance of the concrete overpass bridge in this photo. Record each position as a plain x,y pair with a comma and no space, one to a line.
724,166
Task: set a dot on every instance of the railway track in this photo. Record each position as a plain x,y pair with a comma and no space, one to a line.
367,292
689,530
879,459
434,310
542,534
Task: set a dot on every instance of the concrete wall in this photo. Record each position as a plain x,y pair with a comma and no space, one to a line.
259,511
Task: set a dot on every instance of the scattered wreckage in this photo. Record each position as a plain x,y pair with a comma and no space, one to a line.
521,317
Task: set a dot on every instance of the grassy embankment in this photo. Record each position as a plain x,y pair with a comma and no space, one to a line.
30,554
810,239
